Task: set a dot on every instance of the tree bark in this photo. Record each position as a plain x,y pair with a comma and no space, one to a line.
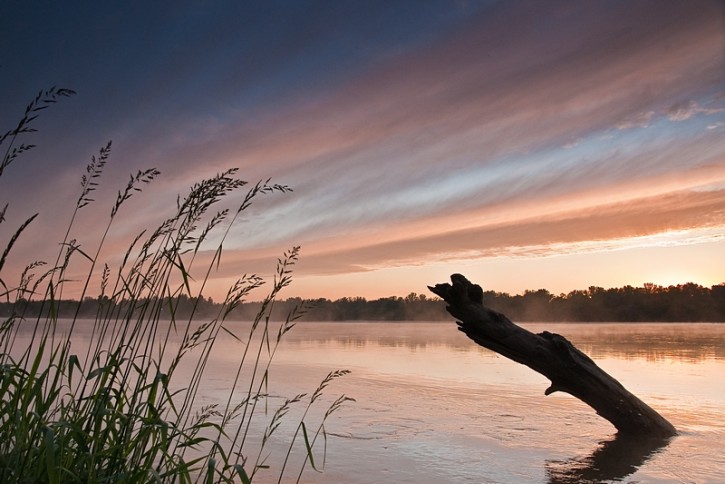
552,355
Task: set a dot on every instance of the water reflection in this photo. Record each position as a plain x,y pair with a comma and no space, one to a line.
654,342
612,460
687,342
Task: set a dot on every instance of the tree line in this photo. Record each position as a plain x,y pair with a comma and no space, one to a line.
684,302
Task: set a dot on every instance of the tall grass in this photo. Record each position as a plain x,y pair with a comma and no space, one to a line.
120,410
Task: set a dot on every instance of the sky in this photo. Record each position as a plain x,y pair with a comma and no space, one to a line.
526,145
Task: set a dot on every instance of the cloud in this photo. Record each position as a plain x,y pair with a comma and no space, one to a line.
640,120
685,110
573,143
689,216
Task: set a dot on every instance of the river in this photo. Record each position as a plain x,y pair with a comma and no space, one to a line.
433,407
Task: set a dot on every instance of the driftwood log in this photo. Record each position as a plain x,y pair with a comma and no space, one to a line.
552,355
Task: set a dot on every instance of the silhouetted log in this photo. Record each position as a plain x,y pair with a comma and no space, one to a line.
552,355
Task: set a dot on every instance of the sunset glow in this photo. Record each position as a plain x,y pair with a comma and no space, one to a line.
555,145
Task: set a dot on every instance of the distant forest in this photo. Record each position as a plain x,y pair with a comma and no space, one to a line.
685,302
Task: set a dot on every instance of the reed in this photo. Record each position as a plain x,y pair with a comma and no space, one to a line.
121,411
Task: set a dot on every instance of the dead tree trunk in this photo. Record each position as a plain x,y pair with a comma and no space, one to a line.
553,356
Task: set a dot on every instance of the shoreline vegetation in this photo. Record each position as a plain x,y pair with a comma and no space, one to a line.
688,302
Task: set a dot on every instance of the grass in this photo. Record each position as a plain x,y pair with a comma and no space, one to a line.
121,410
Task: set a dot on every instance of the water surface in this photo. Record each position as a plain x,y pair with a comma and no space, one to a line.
432,407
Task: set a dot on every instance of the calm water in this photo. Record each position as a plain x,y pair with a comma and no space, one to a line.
432,407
